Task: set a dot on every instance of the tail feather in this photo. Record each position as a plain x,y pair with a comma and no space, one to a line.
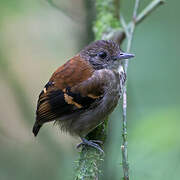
36,128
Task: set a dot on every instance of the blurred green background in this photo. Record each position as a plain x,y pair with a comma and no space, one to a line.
36,38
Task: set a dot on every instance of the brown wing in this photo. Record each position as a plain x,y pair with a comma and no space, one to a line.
71,88
73,72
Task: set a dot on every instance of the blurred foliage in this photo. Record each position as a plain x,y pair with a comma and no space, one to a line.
35,39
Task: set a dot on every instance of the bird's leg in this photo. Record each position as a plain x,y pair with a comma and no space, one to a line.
92,143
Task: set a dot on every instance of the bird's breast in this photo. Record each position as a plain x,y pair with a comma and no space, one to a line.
101,108
112,91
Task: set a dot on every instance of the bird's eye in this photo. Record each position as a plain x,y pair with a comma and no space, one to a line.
102,55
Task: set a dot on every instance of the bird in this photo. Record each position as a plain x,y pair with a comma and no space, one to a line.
81,93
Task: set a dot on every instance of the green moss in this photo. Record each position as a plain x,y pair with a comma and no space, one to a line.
88,167
89,164
106,20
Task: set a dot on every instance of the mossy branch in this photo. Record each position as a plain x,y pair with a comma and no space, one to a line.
90,162
108,26
106,20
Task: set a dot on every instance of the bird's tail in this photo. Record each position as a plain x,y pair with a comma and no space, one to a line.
36,128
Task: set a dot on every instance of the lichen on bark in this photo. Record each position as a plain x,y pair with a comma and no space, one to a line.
89,165
106,19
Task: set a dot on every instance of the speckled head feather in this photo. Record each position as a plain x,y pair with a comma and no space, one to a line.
102,54
101,45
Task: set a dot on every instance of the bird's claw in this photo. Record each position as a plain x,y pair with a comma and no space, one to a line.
92,143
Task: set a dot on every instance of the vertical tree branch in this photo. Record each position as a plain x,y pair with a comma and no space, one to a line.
129,31
124,145
107,26
89,165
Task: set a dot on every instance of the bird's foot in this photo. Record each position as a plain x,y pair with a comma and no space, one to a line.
92,143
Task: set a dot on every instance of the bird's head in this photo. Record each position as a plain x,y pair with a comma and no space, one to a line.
103,54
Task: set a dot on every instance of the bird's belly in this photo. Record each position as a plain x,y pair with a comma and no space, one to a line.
93,117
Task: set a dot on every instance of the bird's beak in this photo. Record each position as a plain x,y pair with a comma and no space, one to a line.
124,55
